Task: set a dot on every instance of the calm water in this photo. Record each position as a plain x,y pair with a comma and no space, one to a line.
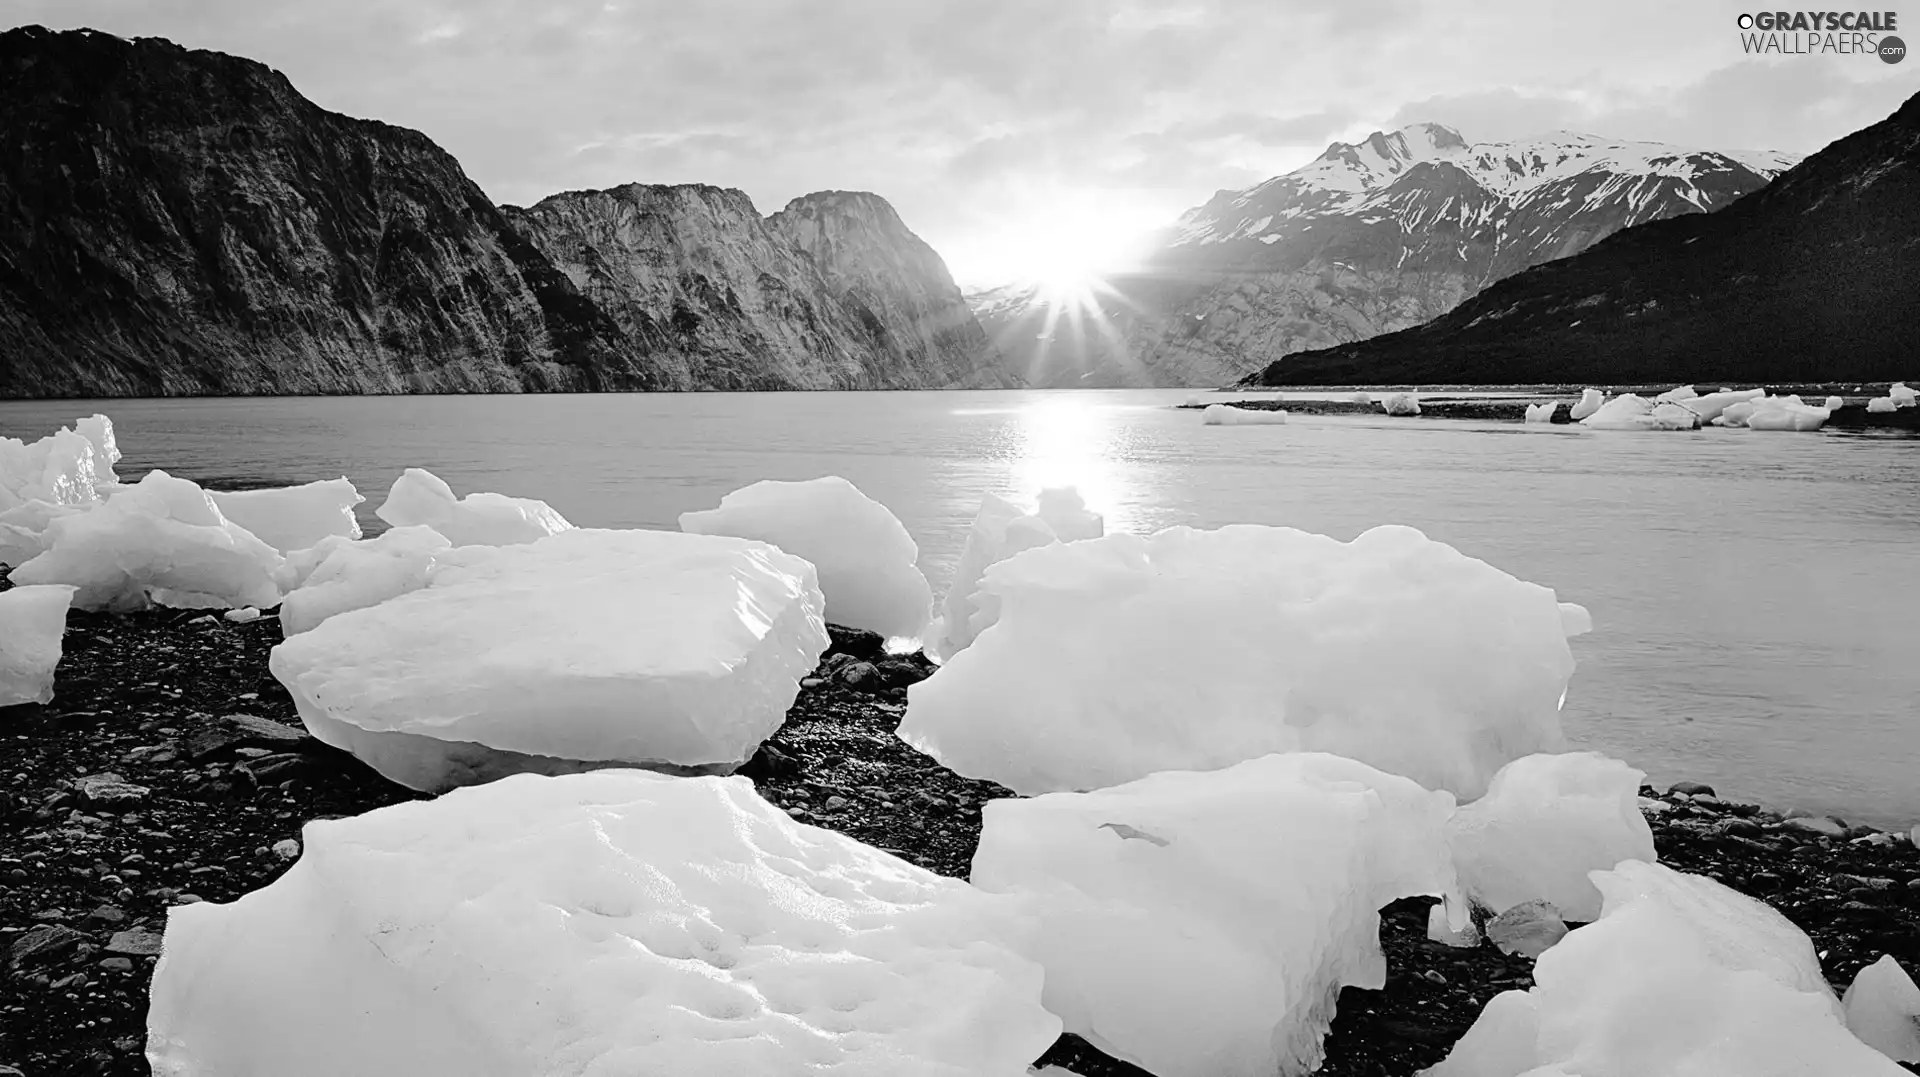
1753,594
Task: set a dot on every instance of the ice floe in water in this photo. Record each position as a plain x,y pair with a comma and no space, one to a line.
1902,396
419,496
32,620
161,540
1882,405
588,648
1000,530
1786,413
1680,977
1228,415
1545,823
1120,656
865,558
1201,924
340,574
596,924
1542,413
290,518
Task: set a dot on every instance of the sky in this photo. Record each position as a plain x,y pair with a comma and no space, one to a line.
1012,135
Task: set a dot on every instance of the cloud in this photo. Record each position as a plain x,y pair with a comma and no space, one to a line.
980,118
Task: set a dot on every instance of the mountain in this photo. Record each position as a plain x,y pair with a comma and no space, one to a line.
833,292
1809,280
178,222
1367,238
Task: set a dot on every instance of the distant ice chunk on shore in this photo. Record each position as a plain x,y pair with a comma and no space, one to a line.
1401,404
1676,395
1202,924
419,497
1883,1009
290,518
596,924
1785,413
1542,413
1680,976
1120,656
1630,412
1001,530
341,574
161,540
1589,402
588,648
1834,403
1545,822
1902,396
1228,415
32,622
1882,405
865,558
1710,406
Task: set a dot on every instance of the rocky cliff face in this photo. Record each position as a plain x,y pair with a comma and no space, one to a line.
176,222
832,293
1809,280
1367,239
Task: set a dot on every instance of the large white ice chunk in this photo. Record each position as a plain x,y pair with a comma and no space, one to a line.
1710,406
1000,531
1786,413
1902,396
1882,405
1676,395
596,925
1883,1009
1401,404
1630,412
589,648
1201,924
1542,413
864,555
32,620
1680,977
73,466
290,518
1544,824
1120,656
339,574
160,540
419,496
1228,415
1589,402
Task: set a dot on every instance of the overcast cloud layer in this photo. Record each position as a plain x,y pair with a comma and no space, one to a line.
1005,129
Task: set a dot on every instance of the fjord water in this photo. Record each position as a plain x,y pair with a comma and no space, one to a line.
1753,594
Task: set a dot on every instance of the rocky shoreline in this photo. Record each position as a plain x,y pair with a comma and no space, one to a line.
1854,416
171,768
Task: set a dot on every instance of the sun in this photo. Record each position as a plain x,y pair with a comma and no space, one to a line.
1065,274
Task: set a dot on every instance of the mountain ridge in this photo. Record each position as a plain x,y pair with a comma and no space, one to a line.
184,222
1807,280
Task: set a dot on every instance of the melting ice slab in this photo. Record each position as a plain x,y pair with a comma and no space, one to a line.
1001,530
32,621
1201,924
1546,822
588,648
161,540
1120,656
591,926
1228,415
419,497
340,574
290,518
863,553
1680,977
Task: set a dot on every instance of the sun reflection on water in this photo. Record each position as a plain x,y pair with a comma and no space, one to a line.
1076,442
